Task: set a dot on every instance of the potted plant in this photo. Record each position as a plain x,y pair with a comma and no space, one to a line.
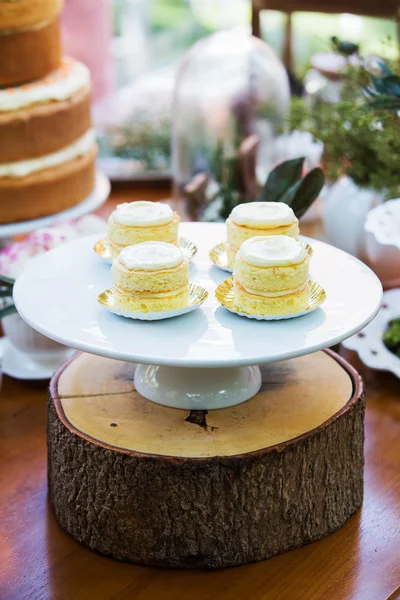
360,160
235,182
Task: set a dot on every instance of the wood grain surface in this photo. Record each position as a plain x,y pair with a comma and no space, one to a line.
297,396
39,561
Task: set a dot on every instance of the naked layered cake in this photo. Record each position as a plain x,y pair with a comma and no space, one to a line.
47,144
29,39
271,276
259,219
135,222
151,277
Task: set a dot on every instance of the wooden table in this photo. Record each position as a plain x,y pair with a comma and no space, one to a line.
38,561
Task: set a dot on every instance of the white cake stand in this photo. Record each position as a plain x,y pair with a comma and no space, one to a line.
208,358
99,195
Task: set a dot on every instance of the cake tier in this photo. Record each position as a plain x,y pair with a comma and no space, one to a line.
271,279
145,302
121,236
23,14
159,281
44,128
48,191
237,234
29,54
270,305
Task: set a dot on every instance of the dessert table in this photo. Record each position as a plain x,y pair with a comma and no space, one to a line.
40,561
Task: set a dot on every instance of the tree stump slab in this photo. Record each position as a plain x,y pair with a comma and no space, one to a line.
164,487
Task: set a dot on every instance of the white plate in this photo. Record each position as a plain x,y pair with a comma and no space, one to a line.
153,316
369,344
272,317
19,365
95,200
57,295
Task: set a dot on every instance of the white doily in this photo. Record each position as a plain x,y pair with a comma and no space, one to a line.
369,344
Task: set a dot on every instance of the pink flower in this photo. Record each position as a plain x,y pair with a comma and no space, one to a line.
14,257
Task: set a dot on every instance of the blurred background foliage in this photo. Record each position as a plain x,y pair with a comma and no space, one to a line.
186,21
151,36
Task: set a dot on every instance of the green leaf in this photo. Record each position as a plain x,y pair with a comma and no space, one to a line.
389,85
347,48
385,68
5,292
379,85
283,177
7,280
308,191
385,103
10,310
290,194
391,337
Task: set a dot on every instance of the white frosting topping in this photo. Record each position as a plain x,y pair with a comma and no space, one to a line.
61,84
143,214
273,294
272,251
26,167
146,295
151,256
266,215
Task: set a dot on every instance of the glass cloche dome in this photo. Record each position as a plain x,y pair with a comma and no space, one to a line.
230,100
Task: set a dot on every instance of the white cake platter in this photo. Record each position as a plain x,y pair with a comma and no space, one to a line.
94,201
205,359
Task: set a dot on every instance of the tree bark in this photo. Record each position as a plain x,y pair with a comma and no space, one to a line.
202,512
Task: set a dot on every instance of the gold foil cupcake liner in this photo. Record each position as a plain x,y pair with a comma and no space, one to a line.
219,255
226,297
103,249
197,295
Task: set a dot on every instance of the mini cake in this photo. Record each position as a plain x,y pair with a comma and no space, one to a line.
47,145
259,219
30,44
136,222
151,277
271,276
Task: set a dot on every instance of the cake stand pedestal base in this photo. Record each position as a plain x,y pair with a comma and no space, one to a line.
158,486
197,389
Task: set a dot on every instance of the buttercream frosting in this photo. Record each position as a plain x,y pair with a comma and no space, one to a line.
143,214
61,84
273,250
151,256
273,294
265,215
26,167
151,295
